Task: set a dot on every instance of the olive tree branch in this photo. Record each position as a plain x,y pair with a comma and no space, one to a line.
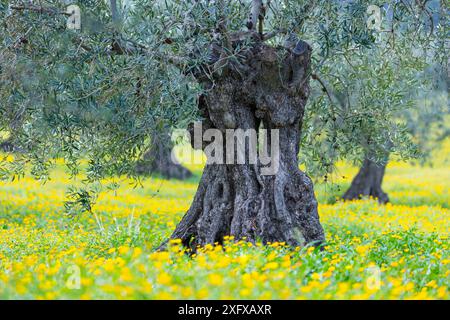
40,9
121,47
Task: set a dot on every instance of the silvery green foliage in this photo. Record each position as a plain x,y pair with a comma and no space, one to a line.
373,78
100,92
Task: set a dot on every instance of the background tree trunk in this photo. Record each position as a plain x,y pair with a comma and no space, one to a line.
158,159
368,182
7,145
236,199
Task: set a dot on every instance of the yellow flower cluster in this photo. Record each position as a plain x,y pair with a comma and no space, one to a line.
397,251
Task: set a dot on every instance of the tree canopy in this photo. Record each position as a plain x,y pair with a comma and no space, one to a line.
99,92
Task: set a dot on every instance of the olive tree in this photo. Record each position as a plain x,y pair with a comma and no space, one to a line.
424,121
101,91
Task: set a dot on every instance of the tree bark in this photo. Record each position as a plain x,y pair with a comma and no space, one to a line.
7,145
270,88
159,160
10,145
367,182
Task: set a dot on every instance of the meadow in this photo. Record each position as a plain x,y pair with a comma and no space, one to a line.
396,251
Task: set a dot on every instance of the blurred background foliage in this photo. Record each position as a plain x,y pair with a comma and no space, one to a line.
101,92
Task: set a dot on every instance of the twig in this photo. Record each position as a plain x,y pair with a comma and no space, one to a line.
255,13
317,78
272,34
40,9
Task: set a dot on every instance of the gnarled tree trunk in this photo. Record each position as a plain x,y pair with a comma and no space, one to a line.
158,159
270,87
368,182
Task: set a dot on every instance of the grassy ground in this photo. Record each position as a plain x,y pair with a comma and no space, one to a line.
396,251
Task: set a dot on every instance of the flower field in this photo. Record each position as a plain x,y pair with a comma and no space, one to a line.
396,251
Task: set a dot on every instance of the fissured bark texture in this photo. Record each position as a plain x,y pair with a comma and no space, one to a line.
268,87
